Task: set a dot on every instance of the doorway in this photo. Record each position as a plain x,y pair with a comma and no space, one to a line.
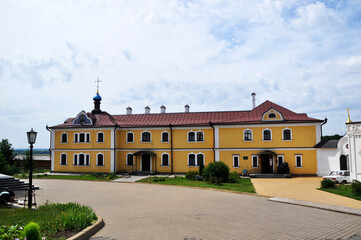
146,166
266,163
343,162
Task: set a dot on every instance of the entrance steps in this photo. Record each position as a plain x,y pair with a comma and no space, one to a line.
269,175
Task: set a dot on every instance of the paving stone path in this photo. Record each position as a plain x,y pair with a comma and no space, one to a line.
143,211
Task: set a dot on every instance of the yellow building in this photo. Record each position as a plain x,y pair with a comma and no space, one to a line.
258,140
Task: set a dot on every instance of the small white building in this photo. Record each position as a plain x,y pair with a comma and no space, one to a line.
343,154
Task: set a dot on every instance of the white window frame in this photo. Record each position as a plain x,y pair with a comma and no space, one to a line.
98,159
195,136
77,137
162,160
256,161
204,160
86,155
141,136
196,159
263,135
126,160
162,140
298,155
283,159
61,137
66,159
236,156
244,135
98,137
126,137
283,134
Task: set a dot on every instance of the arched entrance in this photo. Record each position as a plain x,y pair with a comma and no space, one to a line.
145,164
145,161
267,159
343,162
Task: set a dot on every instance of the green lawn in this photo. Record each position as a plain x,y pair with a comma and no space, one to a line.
343,190
55,220
244,185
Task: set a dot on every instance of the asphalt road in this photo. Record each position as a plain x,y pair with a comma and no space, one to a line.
143,211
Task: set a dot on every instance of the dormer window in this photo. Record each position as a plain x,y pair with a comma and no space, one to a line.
82,119
271,115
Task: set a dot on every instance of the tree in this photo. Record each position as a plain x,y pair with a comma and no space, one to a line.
331,137
7,151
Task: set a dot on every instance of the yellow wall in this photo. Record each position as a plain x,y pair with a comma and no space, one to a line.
92,168
302,136
93,139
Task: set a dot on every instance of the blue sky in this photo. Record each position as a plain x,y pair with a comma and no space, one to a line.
303,55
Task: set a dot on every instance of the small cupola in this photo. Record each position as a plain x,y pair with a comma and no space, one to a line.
97,99
129,110
162,109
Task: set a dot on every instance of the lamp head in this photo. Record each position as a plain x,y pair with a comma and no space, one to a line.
31,136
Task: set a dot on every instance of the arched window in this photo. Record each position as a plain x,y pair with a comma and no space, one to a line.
129,159
130,137
191,159
63,159
165,137
82,159
271,115
247,135
146,137
200,136
267,135
100,159
100,137
64,137
81,137
165,159
191,136
287,134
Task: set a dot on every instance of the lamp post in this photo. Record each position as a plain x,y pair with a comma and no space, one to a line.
31,140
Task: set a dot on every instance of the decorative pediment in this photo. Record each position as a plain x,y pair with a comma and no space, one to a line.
82,119
272,115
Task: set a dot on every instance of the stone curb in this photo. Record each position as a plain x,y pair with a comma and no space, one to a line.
89,231
333,208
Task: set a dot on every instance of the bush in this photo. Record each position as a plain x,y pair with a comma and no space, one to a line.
356,188
32,231
159,179
327,183
191,175
233,177
216,172
76,216
10,232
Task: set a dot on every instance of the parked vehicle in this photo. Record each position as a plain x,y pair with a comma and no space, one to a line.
339,176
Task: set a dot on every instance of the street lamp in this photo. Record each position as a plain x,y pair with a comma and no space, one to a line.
31,140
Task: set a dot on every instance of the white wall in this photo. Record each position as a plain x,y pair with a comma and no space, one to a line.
327,159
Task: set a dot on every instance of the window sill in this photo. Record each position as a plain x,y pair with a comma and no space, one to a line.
164,141
235,167
266,140
247,140
63,142
300,167
145,142
287,140
255,167
164,165
192,166
129,165
129,142
63,165
81,165
100,142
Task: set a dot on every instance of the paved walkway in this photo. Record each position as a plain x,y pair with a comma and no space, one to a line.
303,188
149,211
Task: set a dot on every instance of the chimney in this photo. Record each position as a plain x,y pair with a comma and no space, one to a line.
129,110
147,110
186,108
253,99
162,109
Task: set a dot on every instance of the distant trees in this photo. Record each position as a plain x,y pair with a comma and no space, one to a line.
331,137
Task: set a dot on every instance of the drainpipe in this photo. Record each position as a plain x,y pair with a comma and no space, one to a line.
324,122
47,128
214,139
115,146
171,148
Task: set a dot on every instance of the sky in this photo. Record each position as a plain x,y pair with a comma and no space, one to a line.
303,55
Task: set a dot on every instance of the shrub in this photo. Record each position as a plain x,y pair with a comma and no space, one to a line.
191,175
327,183
159,179
32,231
76,216
216,172
356,187
233,177
10,232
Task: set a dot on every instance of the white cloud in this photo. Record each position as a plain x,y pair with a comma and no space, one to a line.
304,55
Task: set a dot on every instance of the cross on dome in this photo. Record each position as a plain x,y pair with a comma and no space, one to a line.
98,81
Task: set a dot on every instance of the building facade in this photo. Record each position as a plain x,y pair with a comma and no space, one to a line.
257,140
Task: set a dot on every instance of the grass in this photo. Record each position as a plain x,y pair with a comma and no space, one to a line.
244,184
53,219
87,177
343,190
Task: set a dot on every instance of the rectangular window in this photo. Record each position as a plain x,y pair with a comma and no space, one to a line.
130,160
165,137
298,161
236,161
199,136
245,157
88,137
165,160
280,159
63,159
191,137
129,137
87,157
75,159
191,160
255,161
287,134
76,137
267,135
100,160
247,135
64,138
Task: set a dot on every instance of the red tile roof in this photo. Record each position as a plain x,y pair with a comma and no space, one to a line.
197,118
